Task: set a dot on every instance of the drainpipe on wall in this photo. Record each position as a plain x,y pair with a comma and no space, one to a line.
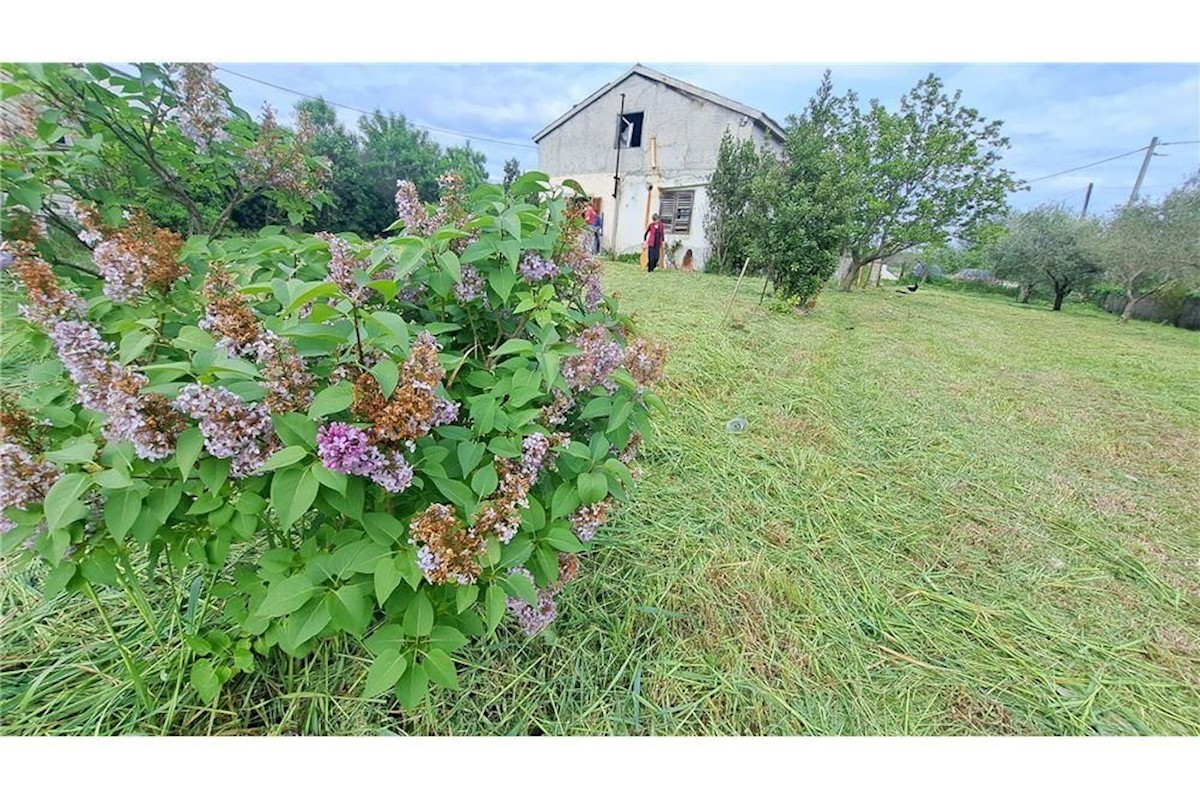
617,178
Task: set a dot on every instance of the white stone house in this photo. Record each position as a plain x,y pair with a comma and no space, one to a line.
666,134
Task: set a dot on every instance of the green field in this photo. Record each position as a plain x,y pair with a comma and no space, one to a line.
948,514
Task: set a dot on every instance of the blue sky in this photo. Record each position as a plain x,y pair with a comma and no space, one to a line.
1057,116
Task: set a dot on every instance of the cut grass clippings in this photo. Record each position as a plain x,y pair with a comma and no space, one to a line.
947,514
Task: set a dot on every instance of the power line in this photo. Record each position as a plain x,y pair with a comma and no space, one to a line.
466,136
1192,141
1085,166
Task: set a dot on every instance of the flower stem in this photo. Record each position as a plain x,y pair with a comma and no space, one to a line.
126,656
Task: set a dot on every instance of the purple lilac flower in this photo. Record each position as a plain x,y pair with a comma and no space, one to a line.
232,428
201,110
471,286
534,268
427,561
23,481
535,447
593,293
532,618
445,412
342,267
410,209
596,364
348,450
106,387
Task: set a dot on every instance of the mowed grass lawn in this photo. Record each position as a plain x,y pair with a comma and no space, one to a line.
948,514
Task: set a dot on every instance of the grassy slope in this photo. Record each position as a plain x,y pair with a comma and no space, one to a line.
949,514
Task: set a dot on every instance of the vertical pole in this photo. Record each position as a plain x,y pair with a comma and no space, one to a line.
617,177
1086,199
1142,173
736,286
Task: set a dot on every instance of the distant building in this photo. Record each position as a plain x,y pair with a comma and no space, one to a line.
667,138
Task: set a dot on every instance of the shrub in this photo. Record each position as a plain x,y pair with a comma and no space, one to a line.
394,442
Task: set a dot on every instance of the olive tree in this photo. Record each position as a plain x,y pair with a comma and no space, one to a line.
1047,245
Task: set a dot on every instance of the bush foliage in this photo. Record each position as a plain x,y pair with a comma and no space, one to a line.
397,441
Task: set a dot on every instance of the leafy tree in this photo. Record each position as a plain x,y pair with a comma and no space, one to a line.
1048,245
727,222
167,140
512,170
921,175
1147,248
467,163
354,205
796,220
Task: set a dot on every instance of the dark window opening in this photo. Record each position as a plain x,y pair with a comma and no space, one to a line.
629,129
675,210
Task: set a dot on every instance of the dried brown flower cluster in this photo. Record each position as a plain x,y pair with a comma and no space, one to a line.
414,407
274,162
229,316
588,519
134,259
48,303
449,551
16,425
644,360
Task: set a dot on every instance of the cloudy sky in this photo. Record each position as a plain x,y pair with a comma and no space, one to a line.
1058,116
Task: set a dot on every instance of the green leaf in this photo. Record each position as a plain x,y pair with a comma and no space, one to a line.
284,458
495,603
593,487
327,477
296,429
513,346
418,619
79,450
561,539
620,413
307,622
350,607
133,344
387,374
393,324
112,479
293,491
465,596
449,263
413,687
121,509
517,585
321,289
214,472
443,637
441,669
187,449
596,407
502,281
387,669
384,528
469,454
331,400
57,580
564,502
59,506
485,481
205,681
286,595
387,578
456,492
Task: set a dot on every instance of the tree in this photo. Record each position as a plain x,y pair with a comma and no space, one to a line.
796,220
1148,247
512,170
727,223
467,163
1048,245
354,203
922,175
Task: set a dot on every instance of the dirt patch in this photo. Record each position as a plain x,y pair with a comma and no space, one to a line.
984,715
802,430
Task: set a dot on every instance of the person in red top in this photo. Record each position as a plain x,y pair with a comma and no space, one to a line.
653,237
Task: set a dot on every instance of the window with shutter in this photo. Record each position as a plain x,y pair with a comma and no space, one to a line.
675,209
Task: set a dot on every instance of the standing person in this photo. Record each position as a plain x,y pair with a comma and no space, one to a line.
597,229
653,238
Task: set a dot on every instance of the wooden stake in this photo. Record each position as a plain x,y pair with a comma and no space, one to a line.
766,283
737,286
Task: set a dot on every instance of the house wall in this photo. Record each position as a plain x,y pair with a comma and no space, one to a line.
687,133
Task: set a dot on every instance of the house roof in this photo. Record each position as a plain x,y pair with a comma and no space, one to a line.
674,83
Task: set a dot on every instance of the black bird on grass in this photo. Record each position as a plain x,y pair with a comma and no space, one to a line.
912,288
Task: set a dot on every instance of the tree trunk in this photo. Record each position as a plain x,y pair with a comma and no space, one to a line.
851,276
1023,292
1127,312
1060,294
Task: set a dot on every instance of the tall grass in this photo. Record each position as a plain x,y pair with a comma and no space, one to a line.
949,514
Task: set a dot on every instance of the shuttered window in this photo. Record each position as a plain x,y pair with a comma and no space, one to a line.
675,209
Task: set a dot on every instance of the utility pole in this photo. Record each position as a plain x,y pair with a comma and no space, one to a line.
617,176
1086,199
1142,173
